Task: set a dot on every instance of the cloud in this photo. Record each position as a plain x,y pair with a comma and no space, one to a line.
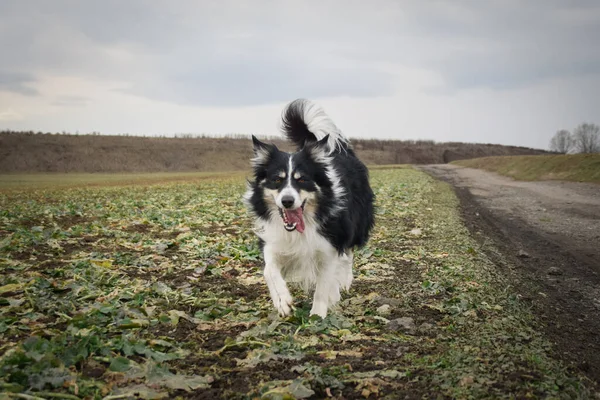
234,53
10,115
71,101
186,55
510,44
17,82
251,81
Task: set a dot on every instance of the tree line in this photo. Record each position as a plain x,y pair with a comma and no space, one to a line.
584,139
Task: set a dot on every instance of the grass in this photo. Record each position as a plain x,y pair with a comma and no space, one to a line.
156,292
62,180
570,167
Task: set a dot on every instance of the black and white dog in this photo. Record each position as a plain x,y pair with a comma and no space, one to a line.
311,208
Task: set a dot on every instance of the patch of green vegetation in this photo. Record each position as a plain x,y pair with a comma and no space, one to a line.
156,292
568,167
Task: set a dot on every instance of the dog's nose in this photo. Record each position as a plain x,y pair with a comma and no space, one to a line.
287,201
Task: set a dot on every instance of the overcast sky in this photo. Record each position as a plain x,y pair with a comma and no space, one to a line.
494,71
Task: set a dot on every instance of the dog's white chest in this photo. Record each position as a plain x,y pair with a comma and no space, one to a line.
300,255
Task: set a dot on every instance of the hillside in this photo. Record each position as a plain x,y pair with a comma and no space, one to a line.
569,167
40,152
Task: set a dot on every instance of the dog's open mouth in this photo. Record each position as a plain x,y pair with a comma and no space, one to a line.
293,219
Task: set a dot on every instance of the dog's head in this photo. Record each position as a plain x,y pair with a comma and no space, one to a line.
292,185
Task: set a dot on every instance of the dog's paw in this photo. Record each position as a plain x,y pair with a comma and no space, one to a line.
320,309
345,277
284,304
347,282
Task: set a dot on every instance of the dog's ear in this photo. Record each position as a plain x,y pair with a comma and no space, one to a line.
320,143
261,146
262,151
323,142
318,150
258,145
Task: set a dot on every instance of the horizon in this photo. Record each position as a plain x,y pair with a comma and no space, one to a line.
245,136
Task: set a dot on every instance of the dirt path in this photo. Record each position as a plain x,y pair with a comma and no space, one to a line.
546,235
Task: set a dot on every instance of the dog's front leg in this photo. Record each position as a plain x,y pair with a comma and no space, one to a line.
327,290
280,294
344,270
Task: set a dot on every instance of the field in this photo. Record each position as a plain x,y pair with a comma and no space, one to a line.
49,181
155,291
569,167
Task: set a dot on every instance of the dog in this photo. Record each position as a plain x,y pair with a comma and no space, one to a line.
311,208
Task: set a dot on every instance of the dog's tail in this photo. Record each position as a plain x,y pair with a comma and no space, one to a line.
304,122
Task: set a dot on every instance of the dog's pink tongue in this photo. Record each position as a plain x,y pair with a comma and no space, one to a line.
297,217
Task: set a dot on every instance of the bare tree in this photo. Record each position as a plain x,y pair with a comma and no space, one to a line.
586,138
562,141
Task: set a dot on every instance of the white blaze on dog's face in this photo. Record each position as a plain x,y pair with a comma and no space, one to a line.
289,187
288,184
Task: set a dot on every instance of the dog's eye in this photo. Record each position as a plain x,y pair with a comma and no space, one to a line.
277,180
301,180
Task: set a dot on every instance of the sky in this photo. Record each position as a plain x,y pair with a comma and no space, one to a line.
495,71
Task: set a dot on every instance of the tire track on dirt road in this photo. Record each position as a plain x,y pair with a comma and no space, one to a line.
545,236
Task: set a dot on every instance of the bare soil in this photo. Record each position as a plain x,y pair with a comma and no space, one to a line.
545,236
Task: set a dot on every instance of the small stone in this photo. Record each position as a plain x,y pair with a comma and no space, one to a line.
388,300
401,351
425,327
555,271
384,310
466,381
523,254
404,324
161,247
416,232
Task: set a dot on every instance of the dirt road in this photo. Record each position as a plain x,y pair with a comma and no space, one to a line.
546,236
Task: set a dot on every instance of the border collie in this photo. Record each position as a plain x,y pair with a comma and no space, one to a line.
311,208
